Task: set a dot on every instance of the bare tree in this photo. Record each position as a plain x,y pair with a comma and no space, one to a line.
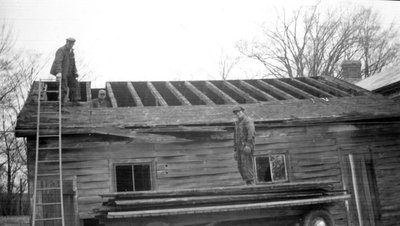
17,72
313,42
378,46
226,64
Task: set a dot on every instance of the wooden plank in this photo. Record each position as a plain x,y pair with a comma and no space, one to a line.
224,208
156,94
134,94
88,92
326,87
307,86
246,96
294,89
258,91
111,95
177,94
347,85
227,99
276,90
292,186
199,94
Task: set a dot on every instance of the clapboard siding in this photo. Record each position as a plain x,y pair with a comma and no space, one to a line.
314,153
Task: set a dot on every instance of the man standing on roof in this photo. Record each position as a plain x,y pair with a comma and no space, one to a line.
244,145
101,101
64,68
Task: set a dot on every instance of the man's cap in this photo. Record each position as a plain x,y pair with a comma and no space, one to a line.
102,91
71,39
237,108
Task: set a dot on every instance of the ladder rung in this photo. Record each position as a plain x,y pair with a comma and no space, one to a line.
47,161
49,123
49,148
49,219
48,204
51,101
46,189
48,112
48,135
52,91
48,174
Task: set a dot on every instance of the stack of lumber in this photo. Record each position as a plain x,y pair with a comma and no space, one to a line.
220,196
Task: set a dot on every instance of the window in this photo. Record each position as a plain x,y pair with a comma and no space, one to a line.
271,168
133,177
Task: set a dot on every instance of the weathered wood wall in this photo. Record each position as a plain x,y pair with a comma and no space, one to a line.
314,153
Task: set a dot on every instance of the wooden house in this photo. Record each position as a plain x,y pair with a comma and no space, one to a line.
171,144
386,83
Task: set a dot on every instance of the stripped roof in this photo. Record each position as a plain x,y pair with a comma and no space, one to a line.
177,93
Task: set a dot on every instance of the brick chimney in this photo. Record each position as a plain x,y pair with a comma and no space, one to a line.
351,71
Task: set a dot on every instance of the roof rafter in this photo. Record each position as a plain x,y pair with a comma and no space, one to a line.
227,99
347,85
326,87
276,90
300,83
111,95
294,89
258,91
201,95
156,94
177,94
134,94
249,99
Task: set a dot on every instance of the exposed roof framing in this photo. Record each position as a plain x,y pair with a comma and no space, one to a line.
177,94
196,91
156,94
111,95
224,96
258,91
134,94
294,89
276,90
223,92
323,86
249,99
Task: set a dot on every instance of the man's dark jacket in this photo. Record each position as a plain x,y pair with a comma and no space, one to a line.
64,63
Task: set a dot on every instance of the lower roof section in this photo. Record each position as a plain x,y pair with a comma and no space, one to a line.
82,119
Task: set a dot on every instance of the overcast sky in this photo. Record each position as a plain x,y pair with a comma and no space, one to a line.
151,40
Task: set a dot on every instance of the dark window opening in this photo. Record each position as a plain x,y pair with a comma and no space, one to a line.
133,177
271,168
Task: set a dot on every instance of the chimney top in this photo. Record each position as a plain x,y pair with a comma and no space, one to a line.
351,71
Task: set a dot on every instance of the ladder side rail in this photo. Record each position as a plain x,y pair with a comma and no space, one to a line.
60,151
36,154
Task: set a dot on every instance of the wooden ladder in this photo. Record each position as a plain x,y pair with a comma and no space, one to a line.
48,205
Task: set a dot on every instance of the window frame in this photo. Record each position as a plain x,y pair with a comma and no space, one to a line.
124,162
285,158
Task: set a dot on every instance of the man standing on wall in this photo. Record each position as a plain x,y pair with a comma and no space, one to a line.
244,145
64,68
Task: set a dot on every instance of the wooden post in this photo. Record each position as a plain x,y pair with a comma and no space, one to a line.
88,92
355,189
